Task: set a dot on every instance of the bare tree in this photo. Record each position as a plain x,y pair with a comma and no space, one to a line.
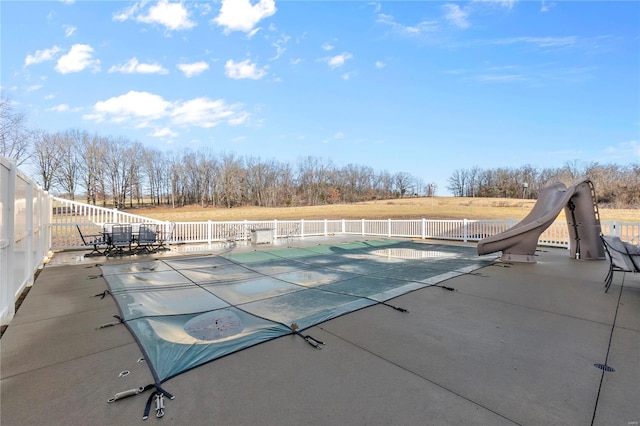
70,166
457,182
233,179
402,182
46,155
92,154
14,136
119,164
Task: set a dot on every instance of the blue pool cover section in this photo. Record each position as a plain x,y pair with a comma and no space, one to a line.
189,311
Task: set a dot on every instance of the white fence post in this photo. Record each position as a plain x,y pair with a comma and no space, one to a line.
7,240
28,247
464,230
301,228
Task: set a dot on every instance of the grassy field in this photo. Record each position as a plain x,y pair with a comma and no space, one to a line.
405,208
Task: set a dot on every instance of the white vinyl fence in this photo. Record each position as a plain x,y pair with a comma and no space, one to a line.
69,215
24,235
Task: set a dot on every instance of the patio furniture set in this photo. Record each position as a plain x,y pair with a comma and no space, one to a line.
126,239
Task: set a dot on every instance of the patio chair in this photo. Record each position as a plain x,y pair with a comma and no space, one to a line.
94,241
623,257
166,236
121,238
147,237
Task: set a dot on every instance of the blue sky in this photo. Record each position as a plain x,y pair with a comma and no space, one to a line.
421,87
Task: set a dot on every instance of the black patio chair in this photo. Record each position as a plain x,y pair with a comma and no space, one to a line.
147,237
165,236
92,240
623,257
121,239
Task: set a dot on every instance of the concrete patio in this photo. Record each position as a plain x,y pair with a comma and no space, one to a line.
512,344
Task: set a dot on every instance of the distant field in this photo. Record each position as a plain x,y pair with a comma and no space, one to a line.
405,208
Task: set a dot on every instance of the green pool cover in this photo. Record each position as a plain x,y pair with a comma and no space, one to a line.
190,311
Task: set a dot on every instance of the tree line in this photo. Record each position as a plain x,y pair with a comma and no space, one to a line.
616,185
129,174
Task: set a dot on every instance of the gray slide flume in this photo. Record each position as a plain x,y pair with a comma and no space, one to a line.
518,244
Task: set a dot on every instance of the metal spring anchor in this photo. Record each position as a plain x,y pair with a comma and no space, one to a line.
159,404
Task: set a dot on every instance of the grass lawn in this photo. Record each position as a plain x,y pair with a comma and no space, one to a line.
405,208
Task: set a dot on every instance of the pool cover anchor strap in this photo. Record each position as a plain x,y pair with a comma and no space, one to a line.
310,340
126,394
158,396
102,295
397,308
111,324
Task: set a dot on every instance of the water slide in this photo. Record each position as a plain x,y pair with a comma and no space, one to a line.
518,244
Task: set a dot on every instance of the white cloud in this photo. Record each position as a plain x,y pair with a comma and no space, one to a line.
500,77
129,106
239,119
296,61
241,15
545,7
337,136
41,56
456,15
173,16
380,64
128,13
338,60
503,3
194,68
69,30
253,32
34,87
280,46
244,69
135,67
79,58
202,112
625,150
164,132
406,30
59,108
326,46
566,41
144,109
